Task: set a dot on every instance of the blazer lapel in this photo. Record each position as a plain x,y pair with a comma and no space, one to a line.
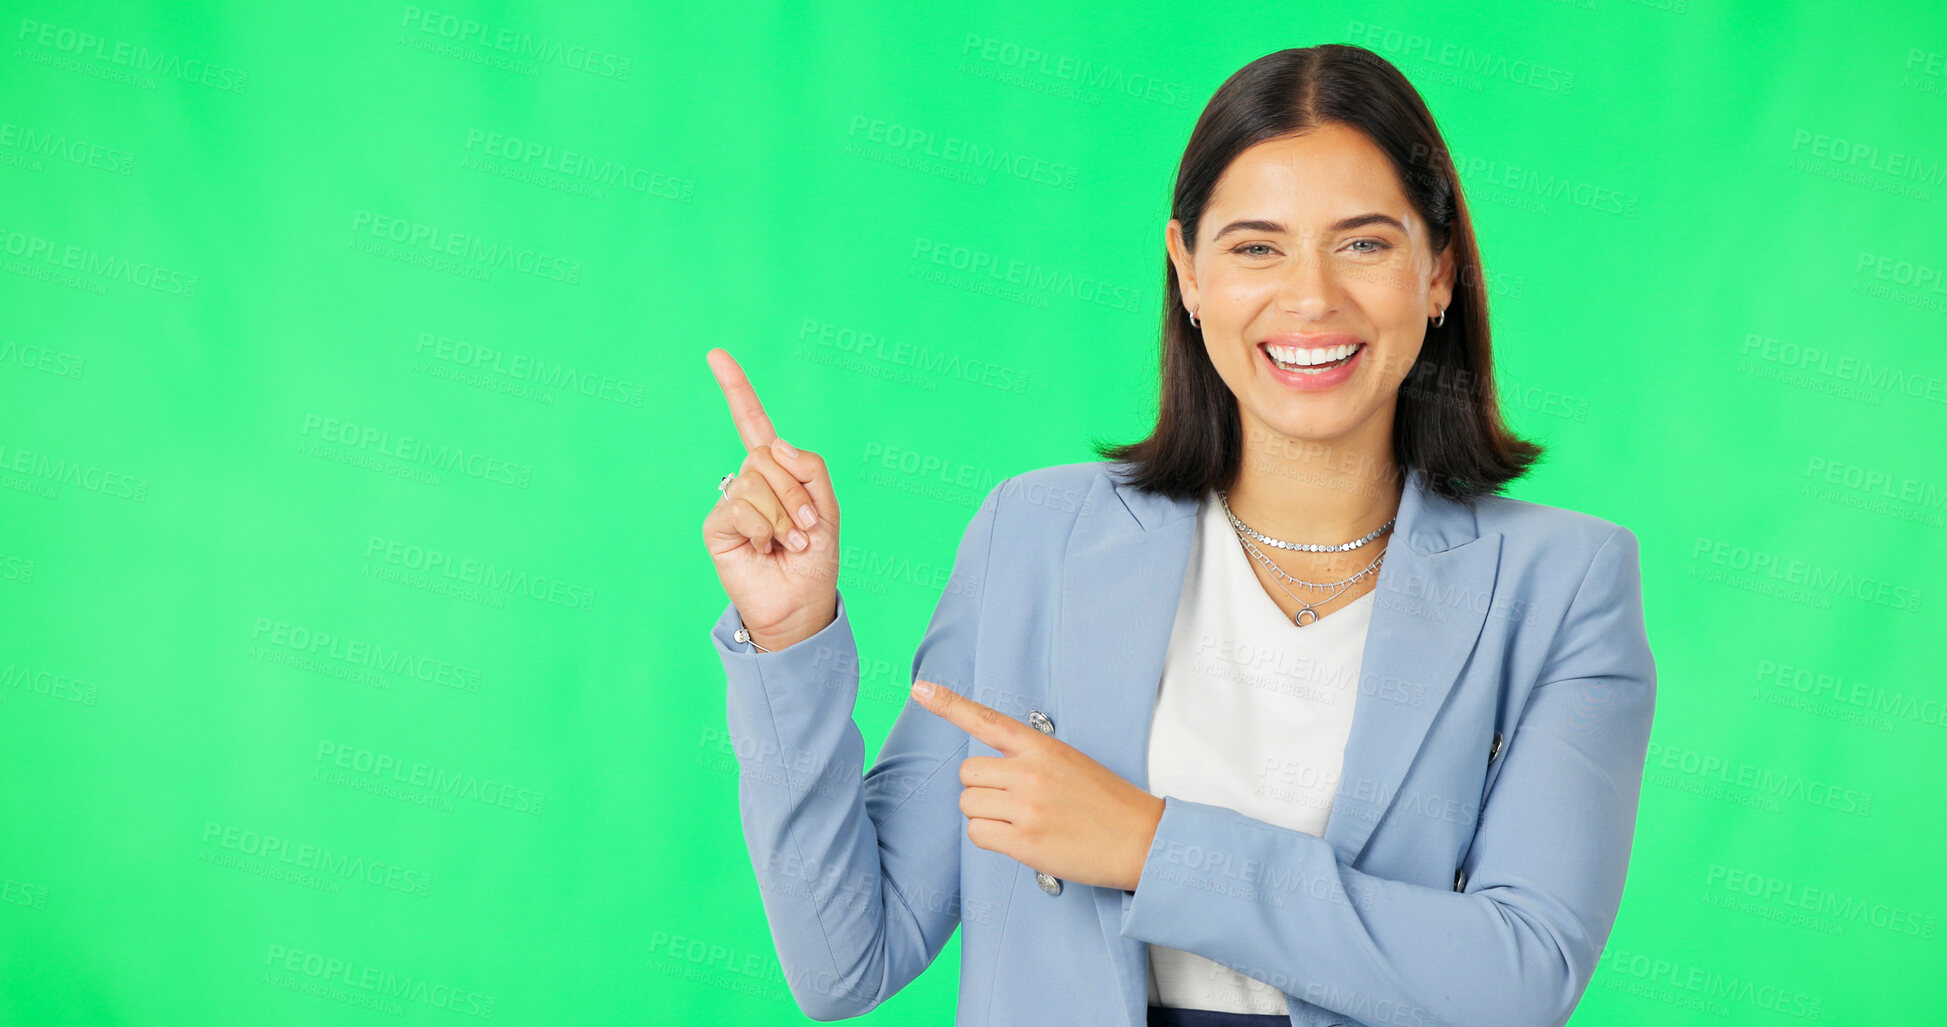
1433,595
1122,580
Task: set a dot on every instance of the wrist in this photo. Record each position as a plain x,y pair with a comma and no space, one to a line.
1147,836
791,632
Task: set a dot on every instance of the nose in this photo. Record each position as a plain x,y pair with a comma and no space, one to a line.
1309,286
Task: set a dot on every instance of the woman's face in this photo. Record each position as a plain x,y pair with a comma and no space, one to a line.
1309,244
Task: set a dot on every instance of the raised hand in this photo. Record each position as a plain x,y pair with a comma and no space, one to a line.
775,539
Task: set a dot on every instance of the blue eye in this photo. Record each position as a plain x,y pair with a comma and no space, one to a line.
1378,244
1249,246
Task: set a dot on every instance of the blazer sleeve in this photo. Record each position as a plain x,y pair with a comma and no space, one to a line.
859,876
1544,875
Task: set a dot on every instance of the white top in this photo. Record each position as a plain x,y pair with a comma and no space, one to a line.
1252,714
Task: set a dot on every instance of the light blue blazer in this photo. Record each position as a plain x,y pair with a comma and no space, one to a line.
1473,861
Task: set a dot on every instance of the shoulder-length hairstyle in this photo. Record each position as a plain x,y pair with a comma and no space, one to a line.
1448,420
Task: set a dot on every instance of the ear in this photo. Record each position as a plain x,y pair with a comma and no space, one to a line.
1440,289
1186,272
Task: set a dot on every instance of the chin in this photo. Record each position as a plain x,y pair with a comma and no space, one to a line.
1323,418
1322,430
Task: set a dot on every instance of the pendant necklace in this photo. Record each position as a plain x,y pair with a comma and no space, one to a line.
1245,535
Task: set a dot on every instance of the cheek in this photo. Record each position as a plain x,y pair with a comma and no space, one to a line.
1231,362
1391,295
1396,358
1241,294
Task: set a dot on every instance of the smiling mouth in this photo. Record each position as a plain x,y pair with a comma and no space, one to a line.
1315,361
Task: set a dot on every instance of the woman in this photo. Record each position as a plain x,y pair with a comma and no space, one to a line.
1280,715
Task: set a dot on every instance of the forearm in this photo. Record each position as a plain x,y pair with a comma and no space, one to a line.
1276,905
801,800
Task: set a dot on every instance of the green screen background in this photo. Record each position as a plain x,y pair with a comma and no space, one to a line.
356,437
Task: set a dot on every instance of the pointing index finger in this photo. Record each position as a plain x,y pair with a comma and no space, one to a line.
753,427
979,720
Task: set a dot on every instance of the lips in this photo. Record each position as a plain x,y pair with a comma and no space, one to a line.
1338,359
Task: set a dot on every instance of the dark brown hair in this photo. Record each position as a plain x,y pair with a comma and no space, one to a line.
1448,419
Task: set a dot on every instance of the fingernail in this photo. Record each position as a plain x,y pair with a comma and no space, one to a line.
807,516
922,689
785,447
797,540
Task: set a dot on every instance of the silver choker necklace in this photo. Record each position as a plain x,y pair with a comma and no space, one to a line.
1303,547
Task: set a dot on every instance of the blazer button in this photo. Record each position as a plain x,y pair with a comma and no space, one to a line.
1494,749
1460,879
1040,722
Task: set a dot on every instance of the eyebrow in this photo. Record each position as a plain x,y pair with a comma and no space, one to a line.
1341,225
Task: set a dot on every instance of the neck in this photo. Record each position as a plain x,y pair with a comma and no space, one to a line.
1306,491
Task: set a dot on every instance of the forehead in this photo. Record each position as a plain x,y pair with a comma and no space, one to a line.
1317,175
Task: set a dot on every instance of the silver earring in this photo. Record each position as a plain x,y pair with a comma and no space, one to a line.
1442,319
1193,318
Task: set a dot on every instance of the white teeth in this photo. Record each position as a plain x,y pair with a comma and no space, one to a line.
1302,357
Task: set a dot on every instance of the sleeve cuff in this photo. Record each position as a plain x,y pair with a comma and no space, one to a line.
1204,857
724,635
